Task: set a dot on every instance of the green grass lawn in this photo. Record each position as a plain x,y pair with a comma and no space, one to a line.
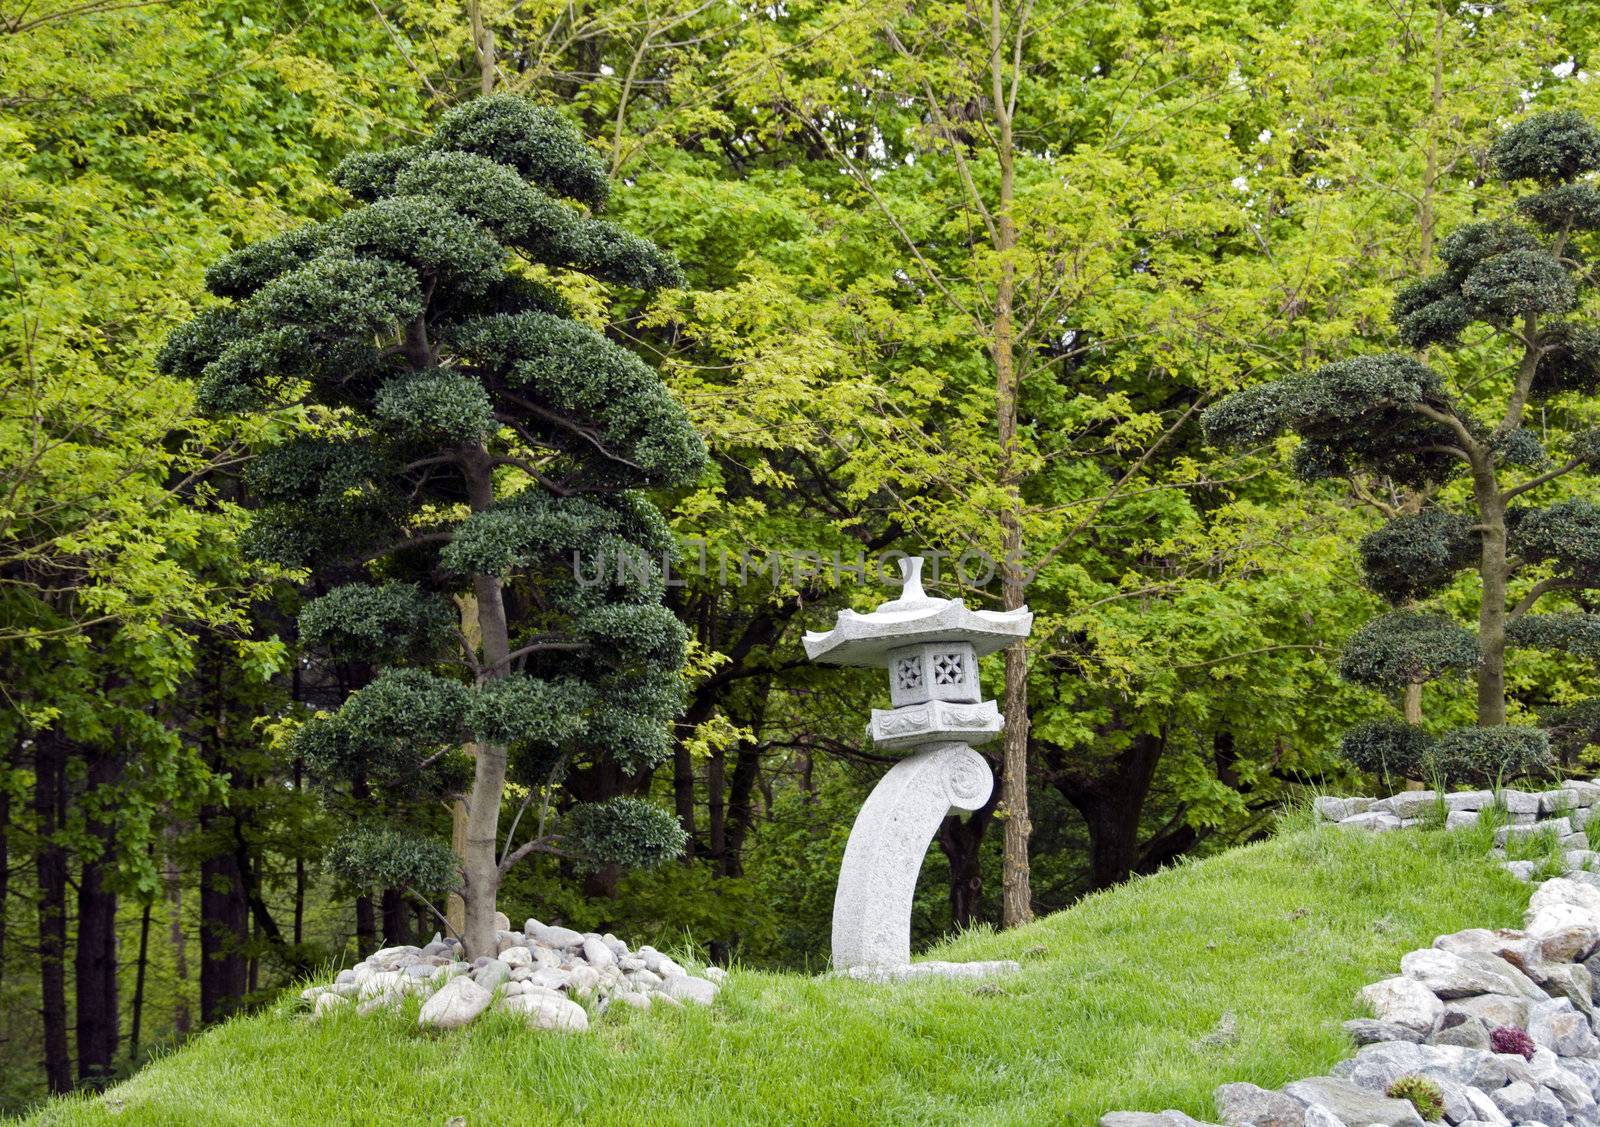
1120,1005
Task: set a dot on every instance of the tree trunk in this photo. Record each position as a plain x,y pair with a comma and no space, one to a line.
1411,703
51,865
224,929
1492,610
299,865
483,48
1112,805
140,966
366,926
741,812
177,938
961,839
5,872
683,793
480,870
1016,892
95,961
716,812
455,911
1430,176
396,918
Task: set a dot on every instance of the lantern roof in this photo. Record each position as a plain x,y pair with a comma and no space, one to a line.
913,618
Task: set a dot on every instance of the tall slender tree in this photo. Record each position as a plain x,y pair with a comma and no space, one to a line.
479,436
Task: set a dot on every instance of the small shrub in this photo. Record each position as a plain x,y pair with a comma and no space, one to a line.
1510,1039
1491,755
1424,1095
1386,748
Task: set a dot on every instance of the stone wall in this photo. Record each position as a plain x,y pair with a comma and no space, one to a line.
1453,1007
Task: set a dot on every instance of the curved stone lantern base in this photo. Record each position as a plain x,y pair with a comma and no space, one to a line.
891,835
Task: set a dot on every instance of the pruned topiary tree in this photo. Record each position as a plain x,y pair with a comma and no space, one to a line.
1515,283
472,436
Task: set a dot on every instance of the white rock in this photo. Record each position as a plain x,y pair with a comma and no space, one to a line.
633,998
454,1004
1484,1109
329,1001
382,982
1328,808
1460,819
390,953
548,1011
1375,821
1564,891
1581,858
1522,870
1573,1093
1519,802
598,955
582,979
1409,803
1404,1001
502,922
1566,932
379,1002
516,957
561,938
716,975
1452,975
1559,1027
1583,794
551,978
662,965
688,988
1559,826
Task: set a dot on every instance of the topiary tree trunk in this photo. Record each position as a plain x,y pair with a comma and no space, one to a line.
465,434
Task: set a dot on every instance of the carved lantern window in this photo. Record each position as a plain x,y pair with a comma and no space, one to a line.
933,671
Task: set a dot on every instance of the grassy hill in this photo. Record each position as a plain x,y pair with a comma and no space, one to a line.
1240,967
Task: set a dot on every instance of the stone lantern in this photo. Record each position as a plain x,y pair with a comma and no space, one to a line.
930,649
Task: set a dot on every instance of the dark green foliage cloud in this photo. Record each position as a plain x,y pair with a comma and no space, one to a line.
1566,535
1567,631
1570,363
390,858
1488,756
1413,556
1548,147
390,622
1387,748
1572,728
1407,648
625,831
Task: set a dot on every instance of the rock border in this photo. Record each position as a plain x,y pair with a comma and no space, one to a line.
543,974
1438,1016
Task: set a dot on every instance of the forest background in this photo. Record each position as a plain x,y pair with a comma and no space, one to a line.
1205,195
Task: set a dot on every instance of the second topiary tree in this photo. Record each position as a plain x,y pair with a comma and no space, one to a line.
470,437
1391,418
